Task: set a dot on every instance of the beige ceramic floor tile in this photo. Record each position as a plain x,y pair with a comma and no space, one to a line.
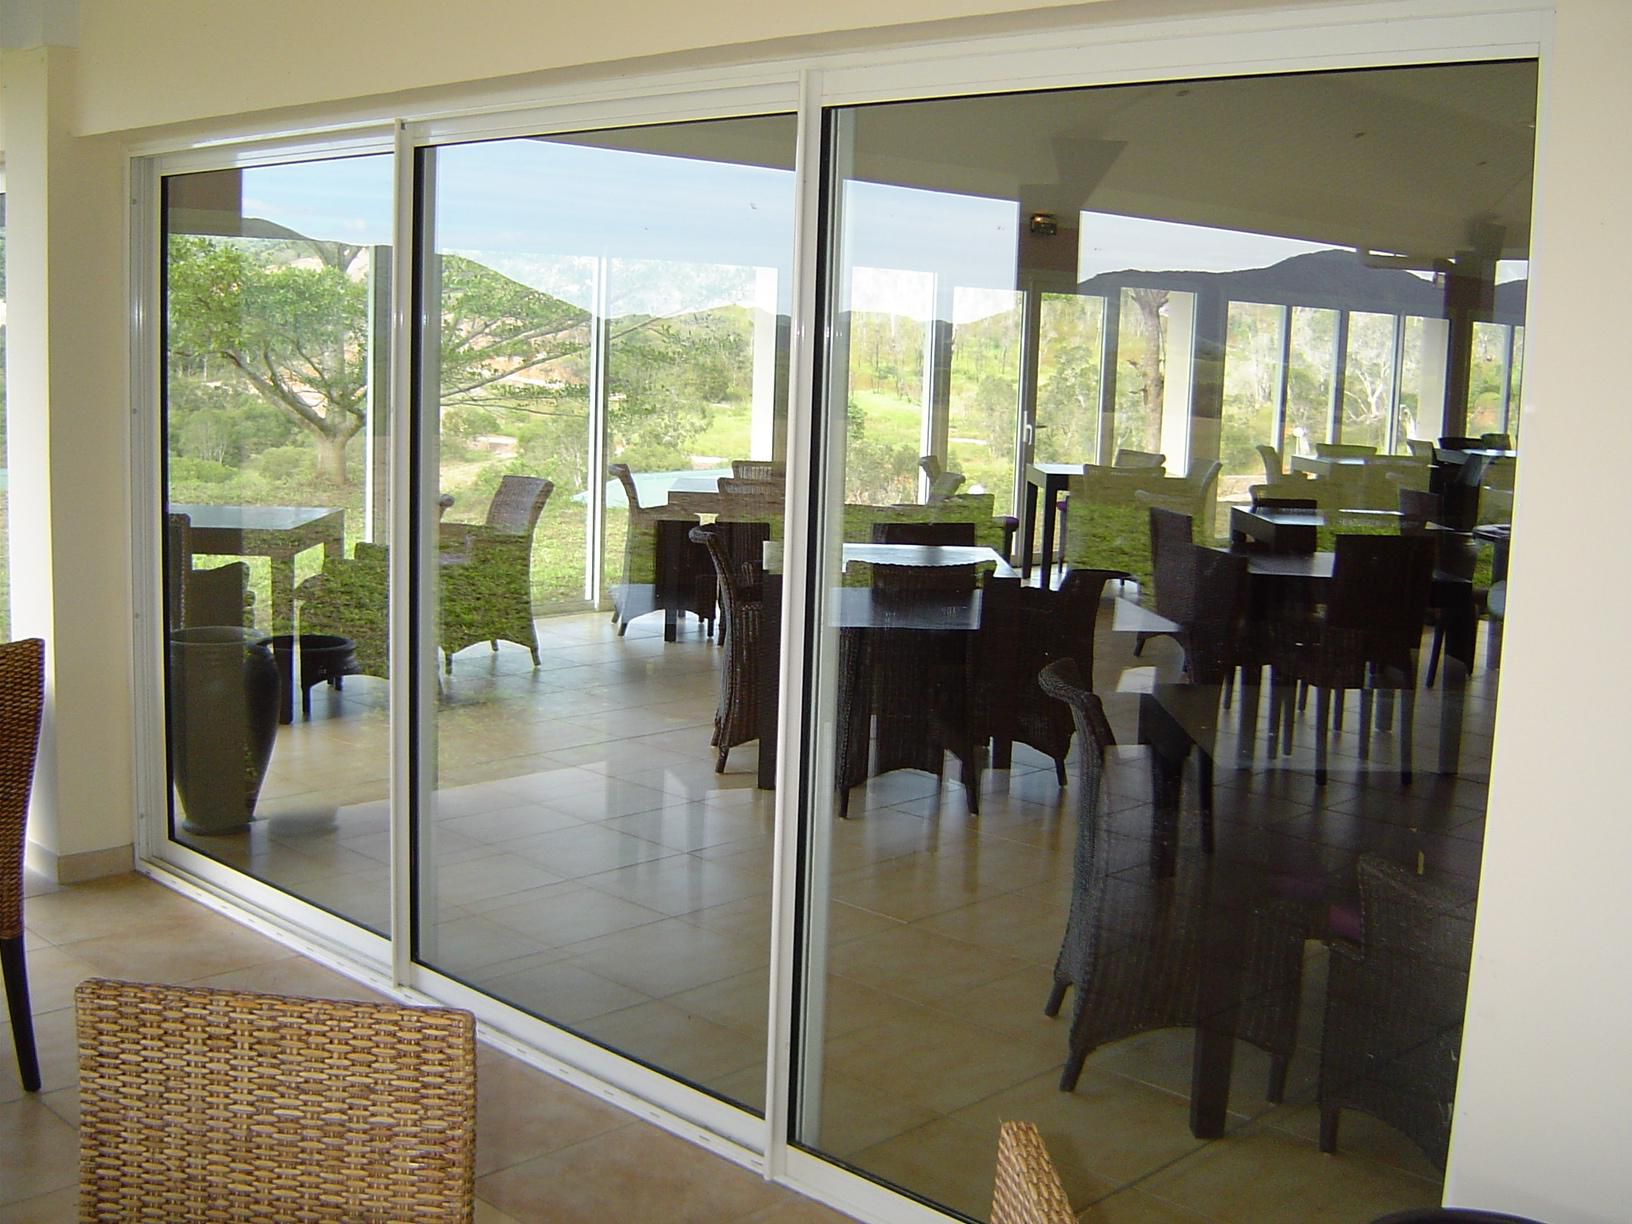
649,1175
39,1152
57,1207
1262,1174
522,1113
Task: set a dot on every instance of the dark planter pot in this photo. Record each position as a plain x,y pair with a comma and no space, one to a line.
223,722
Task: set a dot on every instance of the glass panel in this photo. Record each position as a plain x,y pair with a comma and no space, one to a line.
1368,380
1254,389
277,520
1422,383
613,313
1309,386
1198,906
1514,399
885,420
1068,392
1488,379
985,392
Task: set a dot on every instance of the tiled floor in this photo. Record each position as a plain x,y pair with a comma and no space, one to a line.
588,865
544,1152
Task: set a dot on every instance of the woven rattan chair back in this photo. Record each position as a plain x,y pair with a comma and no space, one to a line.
736,720
1027,1187
759,469
1394,1009
221,1105
518,502
626,478
1138,459
22,701
22,698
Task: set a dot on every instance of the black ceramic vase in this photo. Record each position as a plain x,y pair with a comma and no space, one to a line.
223,722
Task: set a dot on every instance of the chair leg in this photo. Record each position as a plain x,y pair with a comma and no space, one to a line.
15,970
719,765
1204,782
1055,998
1229,688
1342,696
1059,770
1328,1128
1323,718
1433,655
1275,1093
1366,696
1408,712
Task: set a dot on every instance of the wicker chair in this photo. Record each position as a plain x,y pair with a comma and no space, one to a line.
1138,459
1394,1008
222,1105
1136,940
1052,624
646,586
1274,467
1368,638
349,598
217,596
923,692
487,591
1027,1187
22,698
759,469
743,613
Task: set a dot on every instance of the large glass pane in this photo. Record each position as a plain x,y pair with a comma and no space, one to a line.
1309,384
1489,378
1071,341
985,391
276,434
1173,929
612,309
1368,380
1254,395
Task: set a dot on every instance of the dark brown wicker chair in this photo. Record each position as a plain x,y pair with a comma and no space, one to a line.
1171,532
1050,625
922,693
1027,1187
1394,1008
1369,636
221,1105
22,699
1137,938
653,580
736,721
216,596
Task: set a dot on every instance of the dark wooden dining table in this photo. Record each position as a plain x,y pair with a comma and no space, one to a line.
1049,479
861,608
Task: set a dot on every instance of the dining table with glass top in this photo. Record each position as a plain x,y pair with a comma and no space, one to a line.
279,533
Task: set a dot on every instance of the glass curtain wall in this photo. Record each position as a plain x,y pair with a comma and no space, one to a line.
1089,860
603,373
277,524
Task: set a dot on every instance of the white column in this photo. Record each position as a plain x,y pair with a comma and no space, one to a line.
68,403
762,421
1179,366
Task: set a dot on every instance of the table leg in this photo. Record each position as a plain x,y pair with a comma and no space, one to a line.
283,594
1461,629
1028,529
1050,492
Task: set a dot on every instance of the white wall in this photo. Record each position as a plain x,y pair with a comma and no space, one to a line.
1544,1107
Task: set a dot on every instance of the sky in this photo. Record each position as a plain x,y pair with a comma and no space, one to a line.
686,232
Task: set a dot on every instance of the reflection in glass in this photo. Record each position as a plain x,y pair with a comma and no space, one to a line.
277,521
1199,902
605,372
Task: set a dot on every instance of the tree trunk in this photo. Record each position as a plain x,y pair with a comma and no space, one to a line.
331,459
